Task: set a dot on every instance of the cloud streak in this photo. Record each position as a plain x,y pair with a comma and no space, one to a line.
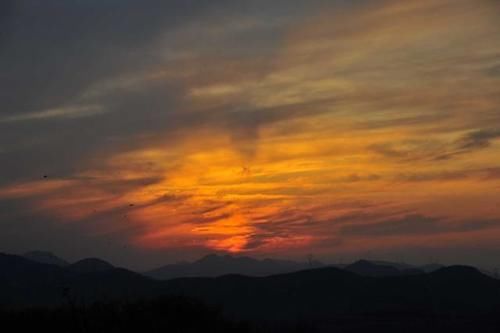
417,225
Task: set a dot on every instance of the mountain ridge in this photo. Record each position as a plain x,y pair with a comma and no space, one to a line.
213,265
45,257
316,294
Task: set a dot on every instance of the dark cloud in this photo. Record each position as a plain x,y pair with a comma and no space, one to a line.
408,225
287,225
294,225
59,56
437,150
206,220
494,71
469,143
492,173
55,49
415,224
409,150
478,139
211,206
435,176
455,175
53,52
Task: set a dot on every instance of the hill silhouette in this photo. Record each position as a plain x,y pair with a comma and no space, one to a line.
91,265
381,269
429,268
320,293
328,296
214,265
24,282
45,257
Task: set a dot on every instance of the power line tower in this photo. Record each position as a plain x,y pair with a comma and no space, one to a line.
310,260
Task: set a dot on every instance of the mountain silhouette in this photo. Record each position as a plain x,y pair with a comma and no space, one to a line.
214,265
45,257
321,293
324,296
26,282
429,268
91,265
381,269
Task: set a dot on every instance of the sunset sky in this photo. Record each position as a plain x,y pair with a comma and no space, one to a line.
146,132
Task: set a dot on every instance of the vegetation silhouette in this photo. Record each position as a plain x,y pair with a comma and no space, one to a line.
167,314
181,314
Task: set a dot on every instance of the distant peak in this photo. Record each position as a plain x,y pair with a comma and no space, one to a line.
89,265
214,257
459,269
363,262
209,257
45,257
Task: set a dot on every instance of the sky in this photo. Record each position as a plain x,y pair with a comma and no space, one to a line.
147,132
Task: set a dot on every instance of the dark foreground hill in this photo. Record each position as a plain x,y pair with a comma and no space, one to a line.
325,298
320,293
166,314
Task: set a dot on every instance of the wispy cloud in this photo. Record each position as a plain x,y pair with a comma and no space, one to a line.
71,112
417,225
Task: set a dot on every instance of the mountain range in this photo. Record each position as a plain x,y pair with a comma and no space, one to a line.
382,269
45,257
310,292
218,265
214,265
